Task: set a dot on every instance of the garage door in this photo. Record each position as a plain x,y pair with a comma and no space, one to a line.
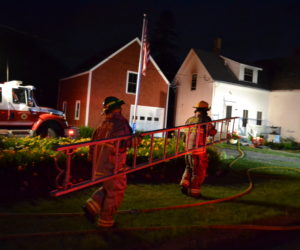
148,118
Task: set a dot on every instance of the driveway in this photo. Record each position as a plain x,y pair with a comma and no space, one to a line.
278,159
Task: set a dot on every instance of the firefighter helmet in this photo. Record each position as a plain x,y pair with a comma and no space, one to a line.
202,105
110,103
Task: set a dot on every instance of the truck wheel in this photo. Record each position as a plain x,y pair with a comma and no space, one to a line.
51,133
51,130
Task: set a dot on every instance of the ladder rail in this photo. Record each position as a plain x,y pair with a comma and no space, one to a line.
69,149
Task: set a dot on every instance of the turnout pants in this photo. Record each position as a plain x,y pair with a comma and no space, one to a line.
106,200
195,171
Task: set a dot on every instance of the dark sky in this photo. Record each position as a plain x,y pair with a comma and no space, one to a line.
75,30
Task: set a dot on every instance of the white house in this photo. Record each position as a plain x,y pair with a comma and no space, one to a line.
285,96
284,112
232,89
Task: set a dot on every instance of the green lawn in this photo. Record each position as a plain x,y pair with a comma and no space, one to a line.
273,201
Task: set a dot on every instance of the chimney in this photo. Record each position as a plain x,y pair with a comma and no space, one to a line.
217,46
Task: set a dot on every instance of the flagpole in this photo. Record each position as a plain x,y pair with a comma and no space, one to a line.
137,92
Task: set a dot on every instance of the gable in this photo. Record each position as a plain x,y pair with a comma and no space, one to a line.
225,70
104,56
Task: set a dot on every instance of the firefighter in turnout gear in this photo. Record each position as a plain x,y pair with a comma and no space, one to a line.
104,202
196,162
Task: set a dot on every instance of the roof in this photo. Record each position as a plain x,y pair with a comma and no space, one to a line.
103,56
91,62
282,73
219,71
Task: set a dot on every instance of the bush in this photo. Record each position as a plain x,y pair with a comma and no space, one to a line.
86,132
286,144
29,166
215,164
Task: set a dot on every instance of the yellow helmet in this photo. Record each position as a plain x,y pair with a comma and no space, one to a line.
202,105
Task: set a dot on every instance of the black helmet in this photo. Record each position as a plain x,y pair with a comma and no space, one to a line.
110,103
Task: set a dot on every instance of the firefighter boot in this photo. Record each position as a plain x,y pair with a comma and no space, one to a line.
91,209
186,177
194,189
185,180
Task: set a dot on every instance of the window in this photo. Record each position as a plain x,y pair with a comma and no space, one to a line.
156,119
248,75
142,118
245,118
64,107
131,82
149,118
19,95
228,111
0,94
77,110
194,82
259,118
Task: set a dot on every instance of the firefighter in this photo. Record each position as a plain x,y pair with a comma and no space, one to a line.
105,201
197,162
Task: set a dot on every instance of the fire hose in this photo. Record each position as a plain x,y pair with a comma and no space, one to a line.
192,227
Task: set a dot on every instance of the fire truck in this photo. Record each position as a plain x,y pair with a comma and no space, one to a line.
21,116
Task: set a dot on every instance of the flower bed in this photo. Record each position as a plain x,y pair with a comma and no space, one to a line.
28,167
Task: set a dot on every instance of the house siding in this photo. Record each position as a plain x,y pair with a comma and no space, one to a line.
242,98
71,90
186,98
284,110
109,78
220,94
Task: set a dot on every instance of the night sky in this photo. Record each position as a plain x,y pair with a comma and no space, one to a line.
74,30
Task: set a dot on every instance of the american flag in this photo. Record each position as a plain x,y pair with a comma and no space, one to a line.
146,49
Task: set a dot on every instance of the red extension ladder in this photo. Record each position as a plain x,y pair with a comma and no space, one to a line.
64,184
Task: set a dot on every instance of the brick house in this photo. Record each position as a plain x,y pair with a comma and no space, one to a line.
81,95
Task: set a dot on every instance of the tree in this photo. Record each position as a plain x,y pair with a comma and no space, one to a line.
165,51
164,48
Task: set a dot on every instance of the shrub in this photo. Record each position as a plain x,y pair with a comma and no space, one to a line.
86,132
29,166
286,143
214,160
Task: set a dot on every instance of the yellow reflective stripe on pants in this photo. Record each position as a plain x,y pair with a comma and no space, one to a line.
195,191
105,223
92,206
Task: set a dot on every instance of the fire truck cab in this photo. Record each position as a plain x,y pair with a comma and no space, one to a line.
20,115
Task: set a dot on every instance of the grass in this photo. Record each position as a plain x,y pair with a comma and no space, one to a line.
288,153
274,201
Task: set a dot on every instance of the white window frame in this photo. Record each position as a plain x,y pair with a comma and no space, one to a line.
127,82
249,75
194,82
77,110
254,76
259,118
245,118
